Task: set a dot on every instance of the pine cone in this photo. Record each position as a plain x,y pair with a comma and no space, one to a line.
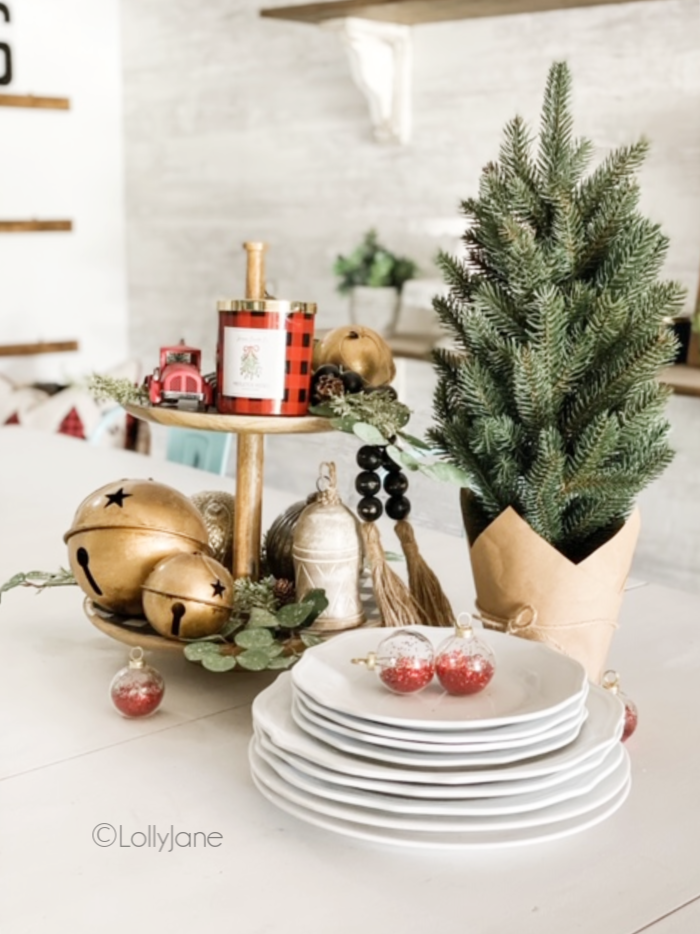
284,591
328,386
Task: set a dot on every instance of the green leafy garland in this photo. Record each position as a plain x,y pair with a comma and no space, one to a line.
260,633
378,419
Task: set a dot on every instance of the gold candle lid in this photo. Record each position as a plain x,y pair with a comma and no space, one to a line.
276,305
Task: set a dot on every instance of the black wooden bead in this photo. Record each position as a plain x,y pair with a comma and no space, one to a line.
352,381
389,464
369,457
369,508
367,483
395,484
397,507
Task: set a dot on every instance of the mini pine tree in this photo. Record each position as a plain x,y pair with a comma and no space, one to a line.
550,403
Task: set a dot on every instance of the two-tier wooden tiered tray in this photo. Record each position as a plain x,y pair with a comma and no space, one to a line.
250,431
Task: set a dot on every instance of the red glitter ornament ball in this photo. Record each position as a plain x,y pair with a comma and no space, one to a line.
464,664
611,682
137,690
404,661
631,718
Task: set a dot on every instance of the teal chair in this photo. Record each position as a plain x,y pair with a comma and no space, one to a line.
208,450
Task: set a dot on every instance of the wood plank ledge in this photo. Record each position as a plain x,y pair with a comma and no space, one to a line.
32,102
415,12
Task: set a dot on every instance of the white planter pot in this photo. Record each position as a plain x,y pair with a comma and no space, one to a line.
377,309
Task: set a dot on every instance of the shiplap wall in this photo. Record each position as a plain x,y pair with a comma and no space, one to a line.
239,128
56,165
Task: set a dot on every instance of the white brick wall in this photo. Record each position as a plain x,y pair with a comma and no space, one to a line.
243,128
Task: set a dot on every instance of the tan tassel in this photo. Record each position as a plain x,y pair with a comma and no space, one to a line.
394,601
425,587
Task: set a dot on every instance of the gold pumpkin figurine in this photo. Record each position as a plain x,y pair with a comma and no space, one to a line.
188,597
121,531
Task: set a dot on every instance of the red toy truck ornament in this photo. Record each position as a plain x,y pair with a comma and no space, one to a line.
178,381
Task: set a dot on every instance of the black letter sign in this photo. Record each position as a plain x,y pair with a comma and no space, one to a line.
5,49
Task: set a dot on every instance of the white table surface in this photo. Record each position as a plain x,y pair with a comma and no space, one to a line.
68,762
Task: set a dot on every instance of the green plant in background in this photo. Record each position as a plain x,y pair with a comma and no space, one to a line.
373,265
550,404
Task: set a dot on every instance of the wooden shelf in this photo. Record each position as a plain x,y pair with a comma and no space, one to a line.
236,424
29,100
683,379
34,226
28,350
414,12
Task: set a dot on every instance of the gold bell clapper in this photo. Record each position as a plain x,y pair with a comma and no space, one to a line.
327,555
120,533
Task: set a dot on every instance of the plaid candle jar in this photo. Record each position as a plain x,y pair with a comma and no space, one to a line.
264,357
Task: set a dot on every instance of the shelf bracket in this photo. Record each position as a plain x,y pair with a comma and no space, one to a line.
380,62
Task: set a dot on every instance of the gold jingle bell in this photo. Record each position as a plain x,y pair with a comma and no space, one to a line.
359,349
121,531
188,596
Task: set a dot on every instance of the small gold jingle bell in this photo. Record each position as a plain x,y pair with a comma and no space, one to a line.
188,596
121,531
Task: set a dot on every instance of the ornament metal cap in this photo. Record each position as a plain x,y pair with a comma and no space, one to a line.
370,662
136,657
464,630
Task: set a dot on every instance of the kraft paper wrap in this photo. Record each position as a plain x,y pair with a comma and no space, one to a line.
526,587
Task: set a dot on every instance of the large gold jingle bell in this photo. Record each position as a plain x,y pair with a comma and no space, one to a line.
120,533
188,597
359,349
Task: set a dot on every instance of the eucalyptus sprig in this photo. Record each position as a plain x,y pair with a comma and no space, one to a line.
378,419
122,391
41,580
265,640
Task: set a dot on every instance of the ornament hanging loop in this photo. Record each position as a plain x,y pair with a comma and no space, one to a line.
611,681
327,484
463,626
136,657
370,663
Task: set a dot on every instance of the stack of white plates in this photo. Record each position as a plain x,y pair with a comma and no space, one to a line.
534,756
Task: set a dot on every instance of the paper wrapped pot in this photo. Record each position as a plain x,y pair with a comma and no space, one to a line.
526,587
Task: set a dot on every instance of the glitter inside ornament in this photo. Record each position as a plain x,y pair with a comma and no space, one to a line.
137,689
611,682
464,664
404,661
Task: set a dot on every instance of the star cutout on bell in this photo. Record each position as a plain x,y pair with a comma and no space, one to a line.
218,589
117,499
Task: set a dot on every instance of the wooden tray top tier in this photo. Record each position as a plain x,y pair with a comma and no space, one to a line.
236,424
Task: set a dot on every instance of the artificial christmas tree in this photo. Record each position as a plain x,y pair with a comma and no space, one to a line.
550,401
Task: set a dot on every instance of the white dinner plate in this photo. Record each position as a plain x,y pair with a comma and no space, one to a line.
488,840
407,789
511,731
530,681
426,756
272,713
442,826
475,741
460,807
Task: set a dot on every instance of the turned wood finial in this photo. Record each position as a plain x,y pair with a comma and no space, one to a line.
255,271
